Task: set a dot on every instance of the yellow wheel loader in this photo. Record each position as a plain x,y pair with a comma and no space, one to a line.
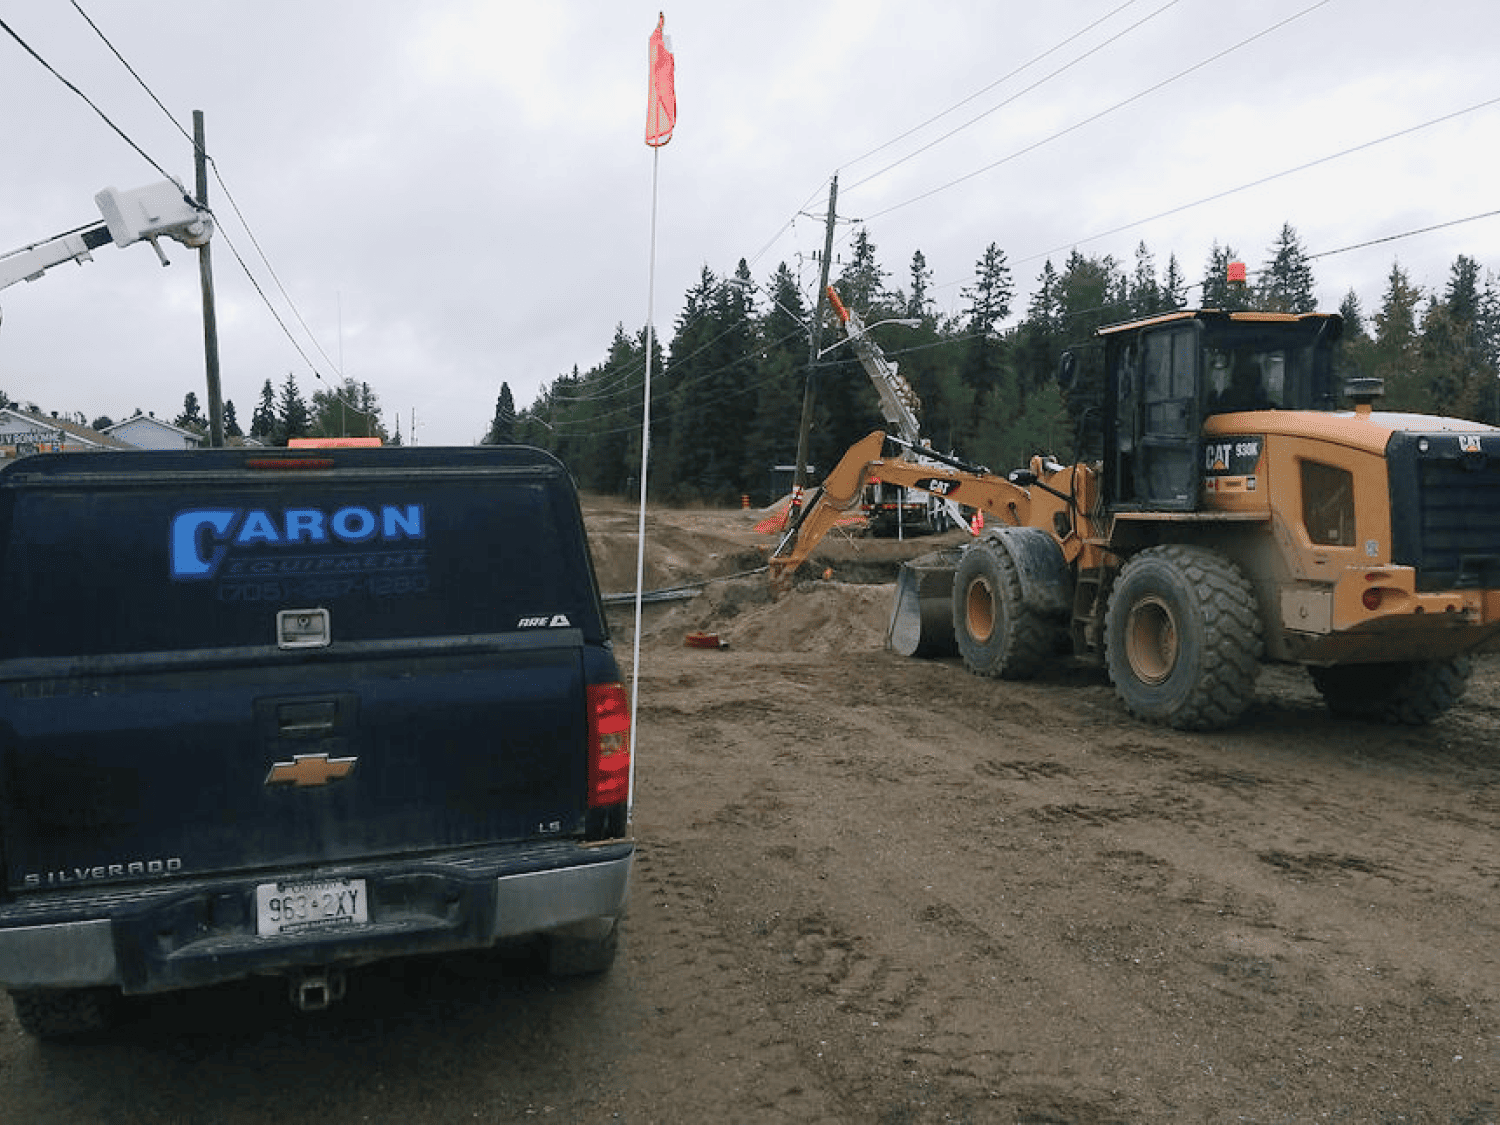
1226,509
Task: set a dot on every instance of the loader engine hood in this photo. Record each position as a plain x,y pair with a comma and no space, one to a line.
1371,431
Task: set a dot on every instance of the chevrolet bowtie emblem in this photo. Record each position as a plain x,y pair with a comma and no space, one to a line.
310,769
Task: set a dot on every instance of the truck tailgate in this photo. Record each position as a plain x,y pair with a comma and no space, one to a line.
149,773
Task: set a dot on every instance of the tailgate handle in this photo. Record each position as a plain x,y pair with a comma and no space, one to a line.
307,720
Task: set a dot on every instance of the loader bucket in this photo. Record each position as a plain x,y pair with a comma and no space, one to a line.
922,618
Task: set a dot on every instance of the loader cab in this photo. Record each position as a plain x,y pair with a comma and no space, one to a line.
1165,375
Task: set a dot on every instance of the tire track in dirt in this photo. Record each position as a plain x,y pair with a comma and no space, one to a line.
968,900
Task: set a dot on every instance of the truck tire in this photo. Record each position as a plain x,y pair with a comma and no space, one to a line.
61,1015
998,634
569,956
1412,693
1182,638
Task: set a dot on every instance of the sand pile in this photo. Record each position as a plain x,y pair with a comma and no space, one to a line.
816,617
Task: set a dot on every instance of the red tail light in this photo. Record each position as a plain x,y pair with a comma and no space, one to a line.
609,745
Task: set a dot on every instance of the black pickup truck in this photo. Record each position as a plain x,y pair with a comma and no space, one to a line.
290,711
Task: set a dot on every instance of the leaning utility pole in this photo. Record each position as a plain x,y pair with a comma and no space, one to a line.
814,337
206,281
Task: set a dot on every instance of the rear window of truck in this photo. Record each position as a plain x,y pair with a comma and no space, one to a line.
130,553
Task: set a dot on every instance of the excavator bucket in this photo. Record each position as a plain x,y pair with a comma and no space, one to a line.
922,618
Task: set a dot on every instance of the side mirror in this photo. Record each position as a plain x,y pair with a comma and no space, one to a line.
1067,370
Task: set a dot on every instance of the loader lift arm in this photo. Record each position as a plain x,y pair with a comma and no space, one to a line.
993,495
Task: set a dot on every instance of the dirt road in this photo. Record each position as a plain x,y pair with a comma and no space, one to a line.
873,889
958,899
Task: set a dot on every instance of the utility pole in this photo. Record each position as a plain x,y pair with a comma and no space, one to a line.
206,281
814,338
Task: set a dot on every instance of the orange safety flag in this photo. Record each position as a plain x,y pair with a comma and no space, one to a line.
661,93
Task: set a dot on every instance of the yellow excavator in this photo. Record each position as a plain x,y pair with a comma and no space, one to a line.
1230,505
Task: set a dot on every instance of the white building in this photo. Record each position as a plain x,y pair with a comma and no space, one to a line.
146,432
23,433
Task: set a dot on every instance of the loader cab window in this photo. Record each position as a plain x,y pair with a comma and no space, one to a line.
1244,379
1167,462
1328,505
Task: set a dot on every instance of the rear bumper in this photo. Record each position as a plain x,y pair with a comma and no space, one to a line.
203,931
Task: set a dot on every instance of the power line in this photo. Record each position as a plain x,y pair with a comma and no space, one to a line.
131,70
964,101
337,393
985,90
1104,112
124,136
1265,180
1020,93
1403,234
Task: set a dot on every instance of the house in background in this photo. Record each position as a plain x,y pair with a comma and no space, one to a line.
146,432
23,432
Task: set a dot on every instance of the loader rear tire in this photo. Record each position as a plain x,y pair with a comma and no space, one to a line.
1412,693
998,634
1182,638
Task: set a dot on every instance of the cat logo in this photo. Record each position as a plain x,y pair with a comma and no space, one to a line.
310,770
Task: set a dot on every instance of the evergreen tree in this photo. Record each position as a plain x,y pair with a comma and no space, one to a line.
231,423
1460,379
103,422
191,417
861,283
919,304
1394,353
1039,339
292,418
350,409
782,340
1145,293
1286,282
1174,286
1218,291
1353,316
611,460
990,296
712,377
502,429
264,420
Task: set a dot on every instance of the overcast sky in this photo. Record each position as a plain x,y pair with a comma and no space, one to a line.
457,194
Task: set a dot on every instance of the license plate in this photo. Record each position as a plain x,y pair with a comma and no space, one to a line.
323,904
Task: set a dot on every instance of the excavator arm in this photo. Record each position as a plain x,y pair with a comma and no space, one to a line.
996,497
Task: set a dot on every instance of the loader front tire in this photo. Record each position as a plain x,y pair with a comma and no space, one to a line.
998,634
1182,638
1412,693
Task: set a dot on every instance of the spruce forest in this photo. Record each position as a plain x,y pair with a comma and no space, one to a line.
727,391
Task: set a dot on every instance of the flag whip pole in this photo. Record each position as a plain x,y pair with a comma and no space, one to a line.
661,117
640,539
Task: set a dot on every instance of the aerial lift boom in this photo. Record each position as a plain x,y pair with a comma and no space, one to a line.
139,215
